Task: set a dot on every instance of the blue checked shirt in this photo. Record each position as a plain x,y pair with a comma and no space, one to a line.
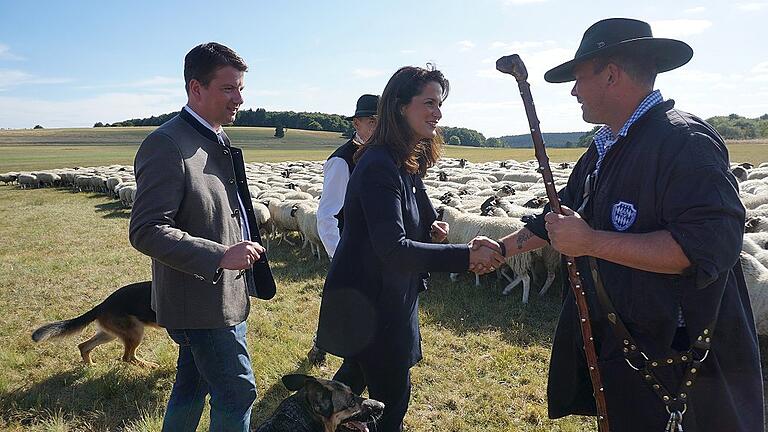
604,138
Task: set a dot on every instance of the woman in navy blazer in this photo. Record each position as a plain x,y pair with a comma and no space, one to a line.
369,311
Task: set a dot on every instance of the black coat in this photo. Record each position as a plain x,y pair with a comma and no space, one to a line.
370,298
670,172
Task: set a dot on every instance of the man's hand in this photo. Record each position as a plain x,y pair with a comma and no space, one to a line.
241,256
439,231
484,255
569,233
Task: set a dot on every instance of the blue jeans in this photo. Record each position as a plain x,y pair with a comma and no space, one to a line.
215,362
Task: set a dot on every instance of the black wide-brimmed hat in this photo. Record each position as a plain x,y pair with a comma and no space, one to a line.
366,106
618,34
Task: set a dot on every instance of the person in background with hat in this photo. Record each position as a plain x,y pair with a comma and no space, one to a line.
659,224
336,172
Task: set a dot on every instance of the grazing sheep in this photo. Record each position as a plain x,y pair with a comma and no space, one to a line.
756,224
306,215
756,276
9,177
465,227
28,180
280,212
264,222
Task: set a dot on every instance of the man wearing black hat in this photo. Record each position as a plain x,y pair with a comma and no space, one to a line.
336,172
657,234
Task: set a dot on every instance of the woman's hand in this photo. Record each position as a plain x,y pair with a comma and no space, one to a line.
439,231
484,255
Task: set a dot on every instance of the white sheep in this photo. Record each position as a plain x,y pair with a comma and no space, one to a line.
464,227
756,276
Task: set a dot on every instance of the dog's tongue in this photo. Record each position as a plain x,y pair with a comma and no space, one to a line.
356,425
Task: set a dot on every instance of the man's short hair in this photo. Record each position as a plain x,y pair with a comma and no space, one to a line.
202,62
640,66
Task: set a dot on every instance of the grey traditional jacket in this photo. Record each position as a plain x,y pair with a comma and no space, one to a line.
185,216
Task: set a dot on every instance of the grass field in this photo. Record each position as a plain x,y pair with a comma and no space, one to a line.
60,253
485,355
58,148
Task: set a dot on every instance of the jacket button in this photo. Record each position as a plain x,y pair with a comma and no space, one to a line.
231,181
236,213
226,152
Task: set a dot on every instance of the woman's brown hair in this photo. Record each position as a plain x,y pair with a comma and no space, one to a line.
392,129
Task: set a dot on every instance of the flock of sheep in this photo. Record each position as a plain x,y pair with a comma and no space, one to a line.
491,199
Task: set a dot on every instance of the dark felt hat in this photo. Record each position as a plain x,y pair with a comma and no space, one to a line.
366,106
618,34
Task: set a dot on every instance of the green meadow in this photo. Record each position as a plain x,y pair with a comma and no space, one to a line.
40,149
486,355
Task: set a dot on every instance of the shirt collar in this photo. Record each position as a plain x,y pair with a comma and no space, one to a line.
605,134
203,121
359,141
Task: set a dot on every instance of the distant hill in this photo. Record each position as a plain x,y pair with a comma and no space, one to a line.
551,139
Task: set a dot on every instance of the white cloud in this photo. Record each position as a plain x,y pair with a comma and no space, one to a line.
12,78
522,2
751,7
696,76
695,10
519,45
759,72
679,28
367,73
466,107
110,107
157,81
6,54
408,51
465,45
537,61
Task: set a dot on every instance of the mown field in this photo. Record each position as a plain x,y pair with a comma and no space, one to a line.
485,355
61,253
58,148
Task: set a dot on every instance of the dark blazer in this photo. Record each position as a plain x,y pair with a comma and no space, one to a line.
370,298
673,169
185,216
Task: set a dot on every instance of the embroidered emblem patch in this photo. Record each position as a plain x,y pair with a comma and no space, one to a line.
623,215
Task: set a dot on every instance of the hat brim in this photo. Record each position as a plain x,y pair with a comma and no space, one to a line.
669,54
362,114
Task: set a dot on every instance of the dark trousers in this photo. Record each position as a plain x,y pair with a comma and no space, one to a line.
388,382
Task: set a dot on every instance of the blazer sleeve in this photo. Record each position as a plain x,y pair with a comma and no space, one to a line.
700,207
381,203
160,184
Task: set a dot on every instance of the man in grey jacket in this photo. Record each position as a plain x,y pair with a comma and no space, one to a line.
193,215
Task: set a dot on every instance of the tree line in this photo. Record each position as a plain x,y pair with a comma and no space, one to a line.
259,118
730,127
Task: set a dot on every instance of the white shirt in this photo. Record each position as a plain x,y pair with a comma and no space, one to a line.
335,179
244,228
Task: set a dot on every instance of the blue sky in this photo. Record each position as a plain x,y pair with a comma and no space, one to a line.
69,64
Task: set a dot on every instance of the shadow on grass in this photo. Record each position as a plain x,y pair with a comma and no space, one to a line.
275,394
105,401
113,210
294,263
465,308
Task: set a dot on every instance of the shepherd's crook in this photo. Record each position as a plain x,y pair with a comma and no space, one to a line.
514,66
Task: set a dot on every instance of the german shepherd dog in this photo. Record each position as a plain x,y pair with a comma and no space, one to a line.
321,406
123,314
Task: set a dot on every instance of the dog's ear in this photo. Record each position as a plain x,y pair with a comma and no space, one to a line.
295,382
320,397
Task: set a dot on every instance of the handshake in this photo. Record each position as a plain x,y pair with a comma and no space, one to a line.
484,255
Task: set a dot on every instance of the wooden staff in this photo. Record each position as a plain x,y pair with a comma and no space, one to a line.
514,66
